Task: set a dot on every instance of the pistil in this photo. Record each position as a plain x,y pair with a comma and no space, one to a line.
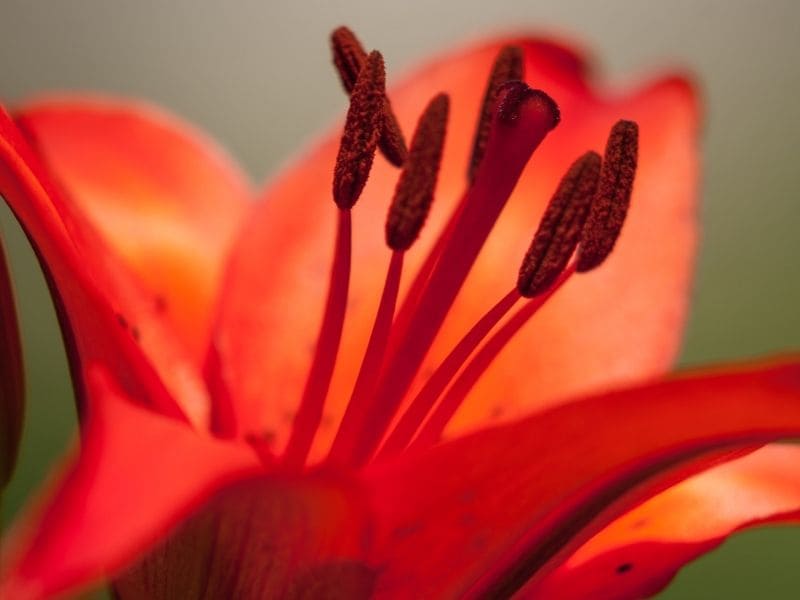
508,66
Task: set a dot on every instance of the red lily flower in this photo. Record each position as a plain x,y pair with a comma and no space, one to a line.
233,445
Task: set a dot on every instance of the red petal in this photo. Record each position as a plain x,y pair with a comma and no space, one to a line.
268,538
163,198
273,298
137,475
105,314
529,494
639,553
12,384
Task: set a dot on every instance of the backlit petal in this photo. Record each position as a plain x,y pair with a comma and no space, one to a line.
164,198
639,553
527,495
106,315
137,475
276,282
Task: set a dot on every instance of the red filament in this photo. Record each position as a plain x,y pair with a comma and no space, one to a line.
427,396
309,414
433,428
371,363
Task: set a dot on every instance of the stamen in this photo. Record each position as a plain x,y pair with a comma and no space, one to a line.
414,192
613,196
371,363
523,118
560,227
508,66
309,414
361,131
447,407
427,396
407,214
349,57
553,244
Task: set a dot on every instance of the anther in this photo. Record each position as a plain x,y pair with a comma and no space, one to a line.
508,66
611,201
414,192
349,57
361,131
560,228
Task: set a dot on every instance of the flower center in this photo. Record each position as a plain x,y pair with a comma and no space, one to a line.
586,213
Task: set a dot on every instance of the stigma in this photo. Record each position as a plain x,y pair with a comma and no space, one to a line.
576,234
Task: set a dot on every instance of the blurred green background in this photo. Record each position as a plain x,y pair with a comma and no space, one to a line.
256,75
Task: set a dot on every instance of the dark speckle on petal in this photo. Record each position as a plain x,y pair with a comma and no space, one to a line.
624,568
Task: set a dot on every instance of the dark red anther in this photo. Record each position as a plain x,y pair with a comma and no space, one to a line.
611,201
414,192
560,228
349,57
508,66
361,131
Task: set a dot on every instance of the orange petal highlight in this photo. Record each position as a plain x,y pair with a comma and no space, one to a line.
164,198
106,315
641,551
